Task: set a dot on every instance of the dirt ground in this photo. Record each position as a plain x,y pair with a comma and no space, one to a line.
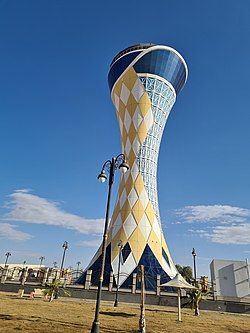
74,316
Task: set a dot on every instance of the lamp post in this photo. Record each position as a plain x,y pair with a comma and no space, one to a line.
65,247
110,167
41,261
77,270
118,275
8,254
194,255
54,264
247,267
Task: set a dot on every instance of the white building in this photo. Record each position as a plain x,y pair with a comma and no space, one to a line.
230,280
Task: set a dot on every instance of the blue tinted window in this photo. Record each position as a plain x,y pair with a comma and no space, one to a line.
165,256
119,67
165,64
126,252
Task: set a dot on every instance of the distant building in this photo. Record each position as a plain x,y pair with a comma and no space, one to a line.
15,272
35,273
230,279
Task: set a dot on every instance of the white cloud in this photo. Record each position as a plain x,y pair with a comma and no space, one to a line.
29,208
9,231
224,224
210,213
215,213
90,243
198,231
239,234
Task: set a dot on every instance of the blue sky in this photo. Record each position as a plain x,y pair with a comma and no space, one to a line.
58,126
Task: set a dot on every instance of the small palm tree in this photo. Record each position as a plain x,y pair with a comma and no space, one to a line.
53,289
195,297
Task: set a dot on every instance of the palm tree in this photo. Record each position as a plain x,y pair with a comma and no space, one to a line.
195,297
53,289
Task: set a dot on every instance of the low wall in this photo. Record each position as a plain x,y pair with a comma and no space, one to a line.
163,300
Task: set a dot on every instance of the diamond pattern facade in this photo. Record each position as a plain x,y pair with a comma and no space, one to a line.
142,111
143,102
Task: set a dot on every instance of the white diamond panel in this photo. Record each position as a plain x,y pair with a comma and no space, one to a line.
129,225
124,94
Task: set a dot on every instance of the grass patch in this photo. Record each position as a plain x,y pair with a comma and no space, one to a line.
75,316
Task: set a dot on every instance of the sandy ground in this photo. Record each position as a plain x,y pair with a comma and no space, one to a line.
74,315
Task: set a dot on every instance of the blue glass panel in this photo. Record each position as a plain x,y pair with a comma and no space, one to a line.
119,67
152,268
165,64
96,270
126,252
165,256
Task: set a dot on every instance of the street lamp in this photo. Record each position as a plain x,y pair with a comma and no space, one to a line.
110,167
54,264
77,271
41,261
8,254
194,255
65,247
118,275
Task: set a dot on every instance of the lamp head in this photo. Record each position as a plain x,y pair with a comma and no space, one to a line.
124,166
65,245
102,176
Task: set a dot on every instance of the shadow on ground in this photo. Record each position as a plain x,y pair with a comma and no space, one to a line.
117,314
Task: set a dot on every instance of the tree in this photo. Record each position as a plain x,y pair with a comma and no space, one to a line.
53,289
185,271
195,297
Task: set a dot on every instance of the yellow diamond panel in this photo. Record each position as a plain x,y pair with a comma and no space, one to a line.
129,78
126,209
139,184
144,104
132,132
115,214
129,183
131,105
124,136
120,236
150,213
117,90
137,244
122,185
131,157
138,211
142,132
121,111
155,244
